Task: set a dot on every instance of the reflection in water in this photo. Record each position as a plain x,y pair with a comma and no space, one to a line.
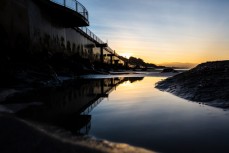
135,113
141,115
67,107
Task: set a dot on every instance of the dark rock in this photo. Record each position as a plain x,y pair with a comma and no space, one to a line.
208,82
169,70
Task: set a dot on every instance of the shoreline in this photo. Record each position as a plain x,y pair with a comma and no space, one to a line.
39,140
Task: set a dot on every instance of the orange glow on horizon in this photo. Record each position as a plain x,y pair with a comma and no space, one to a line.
182,54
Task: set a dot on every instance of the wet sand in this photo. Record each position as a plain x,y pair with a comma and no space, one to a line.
20,136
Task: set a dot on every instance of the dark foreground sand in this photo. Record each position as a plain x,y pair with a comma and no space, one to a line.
19,136
207,83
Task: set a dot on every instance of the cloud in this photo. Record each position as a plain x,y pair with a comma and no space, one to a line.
163,28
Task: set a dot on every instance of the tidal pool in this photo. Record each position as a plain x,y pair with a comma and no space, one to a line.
139,114
126,109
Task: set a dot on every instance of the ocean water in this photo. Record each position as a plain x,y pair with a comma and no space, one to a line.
126,109
139,114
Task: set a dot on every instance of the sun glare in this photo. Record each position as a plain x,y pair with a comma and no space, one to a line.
126,55
127,84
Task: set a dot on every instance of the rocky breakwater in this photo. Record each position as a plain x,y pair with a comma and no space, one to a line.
208,83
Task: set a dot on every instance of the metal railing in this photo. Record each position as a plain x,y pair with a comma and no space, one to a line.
79,8
73,5
112,51
92,106
91,34
96,39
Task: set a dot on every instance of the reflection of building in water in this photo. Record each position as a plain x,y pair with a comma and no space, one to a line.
68,107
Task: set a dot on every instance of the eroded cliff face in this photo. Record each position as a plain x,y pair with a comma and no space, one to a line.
207,83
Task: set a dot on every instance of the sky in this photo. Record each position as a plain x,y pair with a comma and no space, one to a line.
160,31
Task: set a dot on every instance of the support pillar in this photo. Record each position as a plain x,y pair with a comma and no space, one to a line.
102,94
101,55
111,58
101,51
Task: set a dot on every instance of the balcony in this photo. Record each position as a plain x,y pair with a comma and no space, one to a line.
70,12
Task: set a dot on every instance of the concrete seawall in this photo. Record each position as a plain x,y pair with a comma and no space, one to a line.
32,28
40,29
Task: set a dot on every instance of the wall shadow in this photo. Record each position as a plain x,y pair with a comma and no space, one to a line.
67,107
